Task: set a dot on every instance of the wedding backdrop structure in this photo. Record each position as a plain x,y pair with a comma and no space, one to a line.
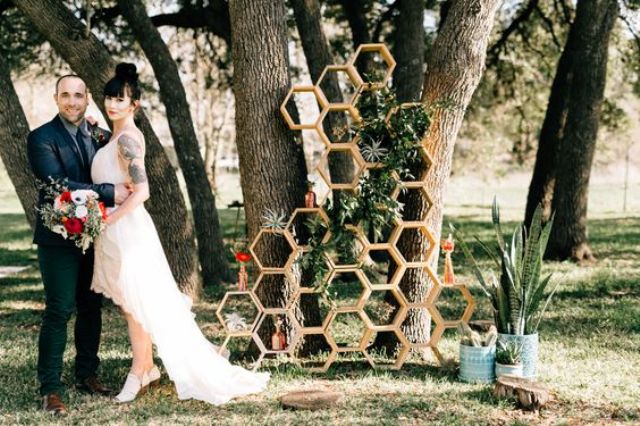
368,288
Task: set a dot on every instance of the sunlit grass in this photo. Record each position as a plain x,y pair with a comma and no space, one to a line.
589,356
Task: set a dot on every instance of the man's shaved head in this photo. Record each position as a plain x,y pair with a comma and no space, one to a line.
68,76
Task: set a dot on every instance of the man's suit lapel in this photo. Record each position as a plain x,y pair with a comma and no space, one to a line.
69,144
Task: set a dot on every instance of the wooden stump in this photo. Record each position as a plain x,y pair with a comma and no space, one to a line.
313,399
529,394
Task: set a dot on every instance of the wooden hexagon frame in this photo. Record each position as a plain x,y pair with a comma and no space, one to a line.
228,295
404,305
323,166
351,73
386,56
287,236
320,98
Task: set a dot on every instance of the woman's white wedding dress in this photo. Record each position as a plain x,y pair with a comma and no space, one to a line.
132,270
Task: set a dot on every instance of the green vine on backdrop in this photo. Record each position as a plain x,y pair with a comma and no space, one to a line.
394,145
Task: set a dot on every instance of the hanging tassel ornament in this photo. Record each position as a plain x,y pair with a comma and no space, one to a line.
448,246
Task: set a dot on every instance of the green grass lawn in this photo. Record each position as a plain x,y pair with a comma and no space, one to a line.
589,355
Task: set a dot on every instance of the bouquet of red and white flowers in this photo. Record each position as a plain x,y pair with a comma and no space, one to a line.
76,215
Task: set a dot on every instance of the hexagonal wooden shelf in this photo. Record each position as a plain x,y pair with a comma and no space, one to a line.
358,161
317,211
286,275
352,76
238,294
386,56
356,340
347,109
320,98
281,234
425,233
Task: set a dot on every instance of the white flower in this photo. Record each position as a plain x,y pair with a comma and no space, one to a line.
80,196
81,212
59,229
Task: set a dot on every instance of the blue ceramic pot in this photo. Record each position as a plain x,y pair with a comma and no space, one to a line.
529,357
477,363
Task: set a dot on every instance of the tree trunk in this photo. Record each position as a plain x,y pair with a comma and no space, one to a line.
408,51
272,167
211,250
13,148
316,50
591,28
453,72
356,13
543,179
91,60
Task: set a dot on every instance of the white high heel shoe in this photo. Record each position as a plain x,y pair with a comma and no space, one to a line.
152,377
133,387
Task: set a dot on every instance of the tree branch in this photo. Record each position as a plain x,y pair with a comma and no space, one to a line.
384,17
549,25
214,18
523,16
632,30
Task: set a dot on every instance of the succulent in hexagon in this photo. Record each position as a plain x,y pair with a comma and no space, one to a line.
238,312
297,96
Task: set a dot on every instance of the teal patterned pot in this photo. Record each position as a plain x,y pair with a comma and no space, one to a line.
529,357
477,363
508,370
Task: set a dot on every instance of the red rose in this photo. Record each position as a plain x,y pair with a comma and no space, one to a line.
243,257
65,197
73,225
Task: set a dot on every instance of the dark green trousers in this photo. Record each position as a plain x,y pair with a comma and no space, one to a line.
66,274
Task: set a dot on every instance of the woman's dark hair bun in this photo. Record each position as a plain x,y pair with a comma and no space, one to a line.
127,72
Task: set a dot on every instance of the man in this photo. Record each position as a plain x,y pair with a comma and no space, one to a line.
63,149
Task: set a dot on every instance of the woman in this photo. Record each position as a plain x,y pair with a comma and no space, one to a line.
132,270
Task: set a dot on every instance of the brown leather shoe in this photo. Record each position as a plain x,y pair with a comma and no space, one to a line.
92,385
52,403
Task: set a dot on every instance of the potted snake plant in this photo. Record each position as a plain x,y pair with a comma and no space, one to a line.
519,296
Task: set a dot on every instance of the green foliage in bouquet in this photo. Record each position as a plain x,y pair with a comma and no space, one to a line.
517,295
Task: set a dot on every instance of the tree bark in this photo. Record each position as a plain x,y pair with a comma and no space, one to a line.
211,250
272,167
453,72
356,13
91,60
543,179
408,50
13,148
316,50
591,28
